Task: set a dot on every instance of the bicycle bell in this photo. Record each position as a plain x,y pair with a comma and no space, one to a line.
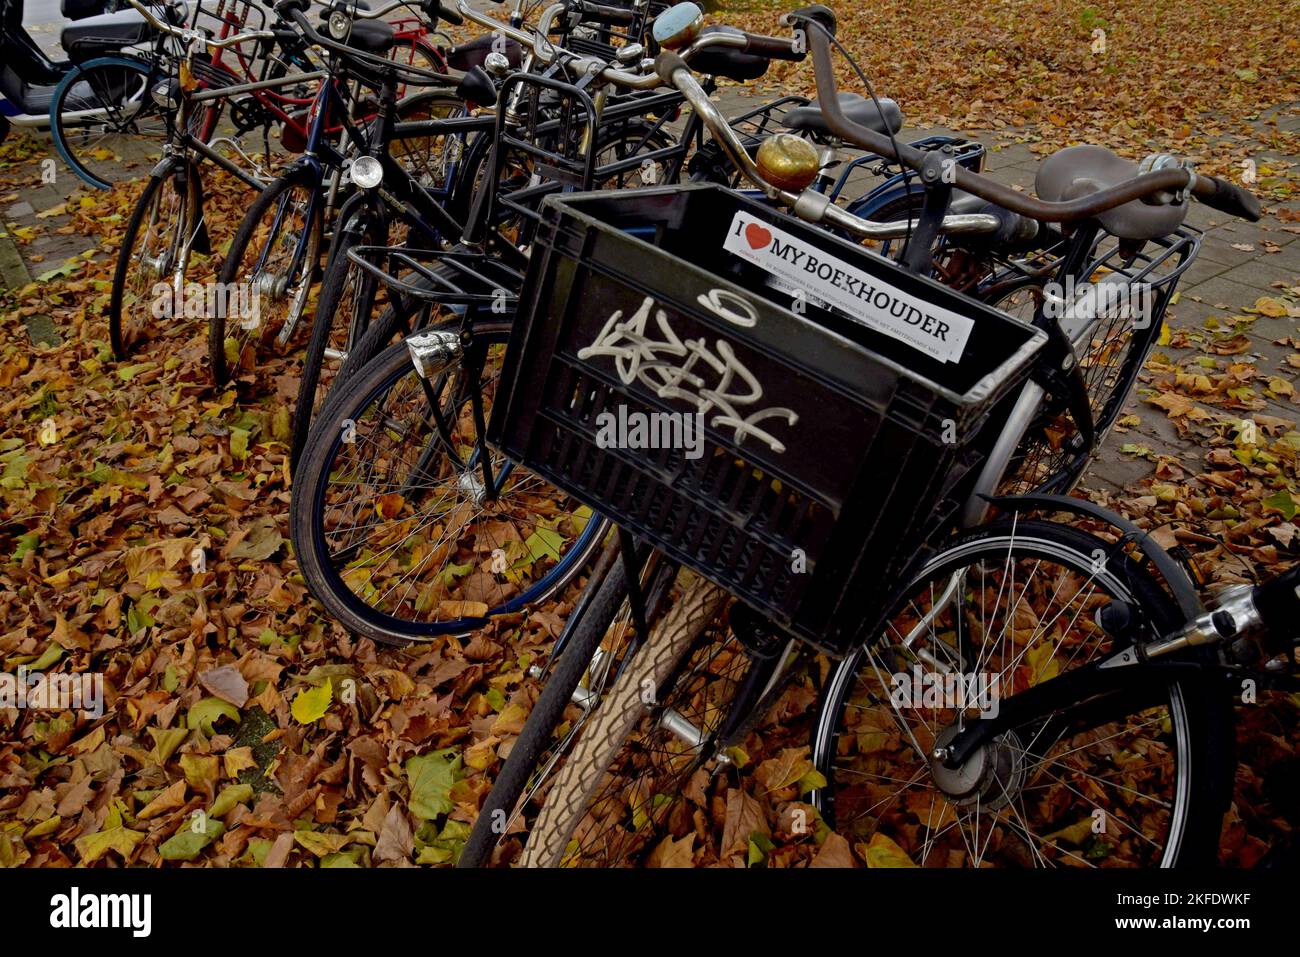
788,162
678,25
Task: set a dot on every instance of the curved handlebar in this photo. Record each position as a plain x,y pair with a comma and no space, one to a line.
1214,192
294,10
191,36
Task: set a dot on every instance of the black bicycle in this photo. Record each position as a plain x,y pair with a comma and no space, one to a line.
1032,695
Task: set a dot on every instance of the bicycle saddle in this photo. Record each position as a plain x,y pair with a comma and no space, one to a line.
1080,170
856,107
731,63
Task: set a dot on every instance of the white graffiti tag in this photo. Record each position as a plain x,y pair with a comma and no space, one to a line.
638,356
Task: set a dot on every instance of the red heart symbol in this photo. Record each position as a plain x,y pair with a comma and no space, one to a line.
757,236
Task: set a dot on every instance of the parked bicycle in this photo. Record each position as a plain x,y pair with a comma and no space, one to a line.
810,544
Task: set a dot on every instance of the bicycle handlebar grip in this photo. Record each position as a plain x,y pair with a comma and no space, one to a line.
1227,197
668,63
1278,603
446,13
774,48
603,13
822,14
284,6
1014,231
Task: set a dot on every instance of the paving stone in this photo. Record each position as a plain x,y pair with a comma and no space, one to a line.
19,210
1261,273
1200,270
1216,291
1220,250
1187,313
1287,258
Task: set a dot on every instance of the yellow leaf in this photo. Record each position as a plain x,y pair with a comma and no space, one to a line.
1269,307
883,852
1042,661
312,703
389,506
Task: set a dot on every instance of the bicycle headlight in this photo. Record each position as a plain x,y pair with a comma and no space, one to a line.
367,172
340,25
167,94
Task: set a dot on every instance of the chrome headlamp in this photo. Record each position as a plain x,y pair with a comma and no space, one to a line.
340,25
367,172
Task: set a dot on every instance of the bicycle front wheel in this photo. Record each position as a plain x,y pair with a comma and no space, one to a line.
267,276
1138,776
405,524
646,739
149,279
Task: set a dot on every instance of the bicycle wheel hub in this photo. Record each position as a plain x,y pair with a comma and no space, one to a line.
158,266
272,285
991,777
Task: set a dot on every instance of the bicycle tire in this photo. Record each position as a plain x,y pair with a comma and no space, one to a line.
539,727
616,717
244,236
342,281
121,343
347,403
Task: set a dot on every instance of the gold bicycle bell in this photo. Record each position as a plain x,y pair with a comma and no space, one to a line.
787,161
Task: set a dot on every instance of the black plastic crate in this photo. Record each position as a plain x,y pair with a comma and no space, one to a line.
831,450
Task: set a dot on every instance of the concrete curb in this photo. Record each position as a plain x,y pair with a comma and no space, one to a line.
14,276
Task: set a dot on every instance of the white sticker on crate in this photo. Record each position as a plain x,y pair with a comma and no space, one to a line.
823,278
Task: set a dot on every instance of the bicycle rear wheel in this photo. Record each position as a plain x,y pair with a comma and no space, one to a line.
1137,776
104,121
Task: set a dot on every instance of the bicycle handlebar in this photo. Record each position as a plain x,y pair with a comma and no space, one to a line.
1227,197
295,11
602,13
810,204
189,36
1213,192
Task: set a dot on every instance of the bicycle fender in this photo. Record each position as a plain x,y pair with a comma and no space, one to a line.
166,165
1184,592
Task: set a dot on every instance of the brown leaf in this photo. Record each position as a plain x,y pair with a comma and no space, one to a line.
171,798
670,853
834,852
744,816
396,840
227,683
